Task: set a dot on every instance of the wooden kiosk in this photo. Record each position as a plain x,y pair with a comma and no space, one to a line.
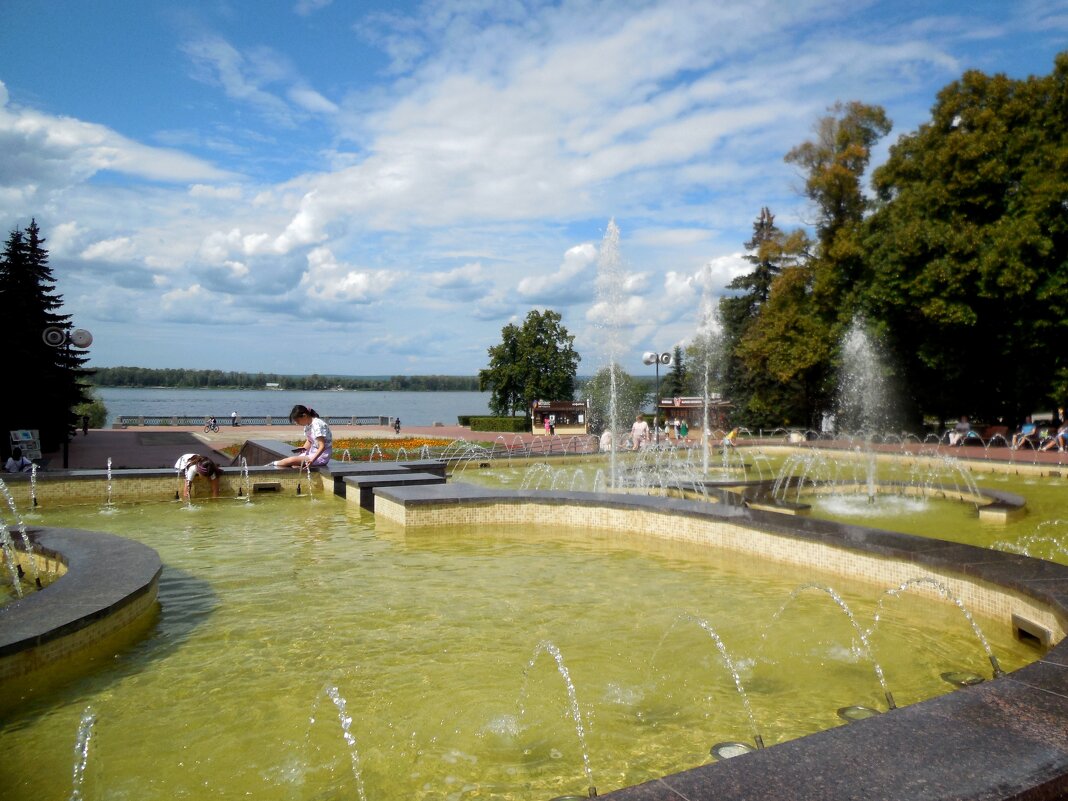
566,418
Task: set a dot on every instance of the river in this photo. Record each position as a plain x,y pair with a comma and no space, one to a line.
413,408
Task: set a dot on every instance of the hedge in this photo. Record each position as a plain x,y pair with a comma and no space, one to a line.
518,425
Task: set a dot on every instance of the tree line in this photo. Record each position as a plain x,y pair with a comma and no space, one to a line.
956,268
958,265
183,378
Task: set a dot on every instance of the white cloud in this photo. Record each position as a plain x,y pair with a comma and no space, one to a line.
466,283
330,281
237,269
118,249
45,151
571,283
66,239
191,304
670,237
310,100
247,77
632,311
306,7
230,192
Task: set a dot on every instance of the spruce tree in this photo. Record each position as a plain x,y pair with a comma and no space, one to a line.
46,379
677,381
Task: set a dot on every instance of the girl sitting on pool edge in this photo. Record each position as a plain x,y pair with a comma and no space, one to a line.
318,441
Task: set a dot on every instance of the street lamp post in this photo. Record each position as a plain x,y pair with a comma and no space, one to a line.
56,337
649,357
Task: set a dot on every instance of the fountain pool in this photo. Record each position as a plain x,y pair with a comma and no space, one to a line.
274,613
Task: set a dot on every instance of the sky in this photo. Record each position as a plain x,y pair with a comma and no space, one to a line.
378,188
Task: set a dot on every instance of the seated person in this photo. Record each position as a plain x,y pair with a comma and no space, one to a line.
1058,440
1027,435
961,431
17,463
605,443
193,465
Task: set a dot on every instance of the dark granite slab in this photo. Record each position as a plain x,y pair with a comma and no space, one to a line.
104,573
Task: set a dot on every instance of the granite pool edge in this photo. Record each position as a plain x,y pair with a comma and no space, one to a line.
110,583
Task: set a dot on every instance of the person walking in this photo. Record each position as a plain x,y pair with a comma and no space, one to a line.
396,425
233,419
639,433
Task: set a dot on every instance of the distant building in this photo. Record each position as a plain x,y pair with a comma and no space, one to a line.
273,385
692,410
567,418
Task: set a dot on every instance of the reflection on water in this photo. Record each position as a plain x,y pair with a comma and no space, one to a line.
428,636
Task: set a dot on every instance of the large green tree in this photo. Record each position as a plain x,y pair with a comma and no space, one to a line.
755,393
969,248
535,361
44,380
630,396
793,338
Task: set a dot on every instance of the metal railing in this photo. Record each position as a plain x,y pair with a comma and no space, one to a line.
223,420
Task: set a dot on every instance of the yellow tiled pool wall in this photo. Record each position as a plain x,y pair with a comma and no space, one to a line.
983,598
908,458
49,567
101,635
138,486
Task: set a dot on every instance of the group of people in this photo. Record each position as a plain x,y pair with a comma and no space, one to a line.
641,434
1030,434
316,451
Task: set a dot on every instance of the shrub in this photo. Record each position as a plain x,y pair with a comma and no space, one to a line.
517,425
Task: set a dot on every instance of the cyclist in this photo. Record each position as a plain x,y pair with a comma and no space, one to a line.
211,425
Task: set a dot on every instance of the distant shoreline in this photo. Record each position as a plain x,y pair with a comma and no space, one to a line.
232,388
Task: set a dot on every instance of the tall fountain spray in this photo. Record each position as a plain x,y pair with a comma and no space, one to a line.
863,393
863,388
708,345
610,298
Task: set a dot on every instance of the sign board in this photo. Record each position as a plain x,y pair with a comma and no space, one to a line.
29,441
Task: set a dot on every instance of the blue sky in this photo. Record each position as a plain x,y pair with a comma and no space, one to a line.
369,188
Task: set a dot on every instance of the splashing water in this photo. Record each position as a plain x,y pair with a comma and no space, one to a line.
27,546
863,389
246,481
862,635
733,669
346,731
709,345
610,284
81,752
945,592
573,705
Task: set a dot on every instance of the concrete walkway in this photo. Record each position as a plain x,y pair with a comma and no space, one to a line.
160,446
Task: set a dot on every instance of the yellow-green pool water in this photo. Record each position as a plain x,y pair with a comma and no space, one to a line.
437,642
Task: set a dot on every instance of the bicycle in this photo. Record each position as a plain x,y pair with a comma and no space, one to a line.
212,426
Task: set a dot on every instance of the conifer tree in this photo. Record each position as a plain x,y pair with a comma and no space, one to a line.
677,381
46,384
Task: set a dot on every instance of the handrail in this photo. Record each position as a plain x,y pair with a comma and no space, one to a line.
125,420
